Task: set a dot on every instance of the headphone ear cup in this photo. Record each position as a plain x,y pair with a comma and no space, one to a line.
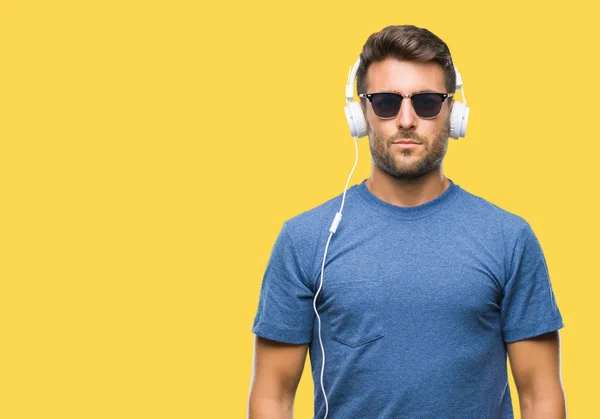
458,120
356,120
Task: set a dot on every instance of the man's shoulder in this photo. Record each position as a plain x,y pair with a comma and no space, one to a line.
479,210
315,218
307,232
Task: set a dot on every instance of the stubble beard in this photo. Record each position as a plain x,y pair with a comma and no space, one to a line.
390,161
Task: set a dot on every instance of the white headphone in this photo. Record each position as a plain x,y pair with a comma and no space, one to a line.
358,124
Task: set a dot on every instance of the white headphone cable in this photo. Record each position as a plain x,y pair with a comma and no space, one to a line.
332,229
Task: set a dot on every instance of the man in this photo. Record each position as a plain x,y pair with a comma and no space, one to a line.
427,288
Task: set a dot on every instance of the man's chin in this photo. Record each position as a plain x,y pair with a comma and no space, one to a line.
403,173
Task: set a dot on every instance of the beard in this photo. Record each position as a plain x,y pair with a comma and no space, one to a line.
400,164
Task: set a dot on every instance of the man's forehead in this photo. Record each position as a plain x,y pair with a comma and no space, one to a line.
405,77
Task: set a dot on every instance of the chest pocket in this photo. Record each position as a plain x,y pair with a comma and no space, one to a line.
355,312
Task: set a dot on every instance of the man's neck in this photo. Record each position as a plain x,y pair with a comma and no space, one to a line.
407,193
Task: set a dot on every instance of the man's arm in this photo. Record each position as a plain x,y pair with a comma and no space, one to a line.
535,365
276,372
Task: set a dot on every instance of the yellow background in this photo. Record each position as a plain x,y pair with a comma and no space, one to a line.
151,150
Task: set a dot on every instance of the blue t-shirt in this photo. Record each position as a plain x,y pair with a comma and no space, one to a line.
417,303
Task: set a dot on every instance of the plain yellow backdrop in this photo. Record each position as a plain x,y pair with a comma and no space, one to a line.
151,150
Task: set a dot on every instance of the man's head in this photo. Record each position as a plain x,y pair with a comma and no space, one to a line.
406,60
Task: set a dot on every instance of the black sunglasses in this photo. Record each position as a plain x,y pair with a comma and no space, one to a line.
386,105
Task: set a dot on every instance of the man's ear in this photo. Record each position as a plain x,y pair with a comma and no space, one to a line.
363,107
450,104
367,122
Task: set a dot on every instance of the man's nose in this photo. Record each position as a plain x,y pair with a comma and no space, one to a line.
406,118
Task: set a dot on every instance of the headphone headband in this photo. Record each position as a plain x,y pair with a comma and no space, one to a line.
351,77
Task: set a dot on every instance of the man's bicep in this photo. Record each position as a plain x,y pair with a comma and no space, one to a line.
277,368
535,364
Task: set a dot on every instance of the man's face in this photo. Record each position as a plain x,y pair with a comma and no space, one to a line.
407,162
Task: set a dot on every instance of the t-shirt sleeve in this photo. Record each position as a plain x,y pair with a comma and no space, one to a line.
528,306
285,308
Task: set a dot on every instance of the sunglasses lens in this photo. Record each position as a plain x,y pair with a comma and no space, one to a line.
427,105
386,105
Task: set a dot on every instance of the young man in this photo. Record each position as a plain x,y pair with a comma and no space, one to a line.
427,288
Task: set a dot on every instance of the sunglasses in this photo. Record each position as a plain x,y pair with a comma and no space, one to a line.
386,105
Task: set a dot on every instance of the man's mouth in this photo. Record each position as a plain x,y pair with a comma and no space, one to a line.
405,142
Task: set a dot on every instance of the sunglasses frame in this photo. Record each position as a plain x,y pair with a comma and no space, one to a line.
369,96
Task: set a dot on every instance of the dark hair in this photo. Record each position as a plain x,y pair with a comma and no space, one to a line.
408,43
